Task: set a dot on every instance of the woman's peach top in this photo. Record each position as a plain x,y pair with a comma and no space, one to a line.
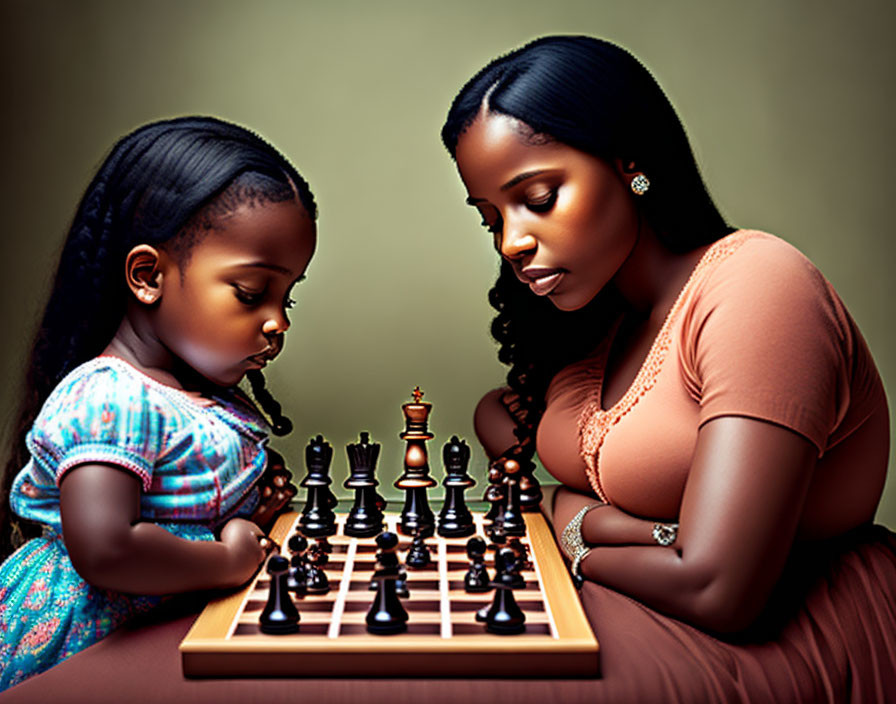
757,331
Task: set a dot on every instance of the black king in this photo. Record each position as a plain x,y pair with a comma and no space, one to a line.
416,514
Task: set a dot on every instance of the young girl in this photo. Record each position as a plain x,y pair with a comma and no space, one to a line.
714,416
144,465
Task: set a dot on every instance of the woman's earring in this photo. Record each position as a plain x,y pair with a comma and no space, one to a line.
640,184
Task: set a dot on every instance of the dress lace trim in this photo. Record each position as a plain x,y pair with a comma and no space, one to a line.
594,422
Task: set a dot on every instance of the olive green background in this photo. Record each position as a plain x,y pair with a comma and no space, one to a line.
788,105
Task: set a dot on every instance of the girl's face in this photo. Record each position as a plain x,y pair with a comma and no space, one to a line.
564,219
223,306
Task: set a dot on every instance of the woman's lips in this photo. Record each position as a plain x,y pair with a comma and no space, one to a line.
541,281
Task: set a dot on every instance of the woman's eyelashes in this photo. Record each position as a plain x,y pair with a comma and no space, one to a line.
541,201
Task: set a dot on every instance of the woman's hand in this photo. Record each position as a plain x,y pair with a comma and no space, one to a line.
276,490
604,525
739,516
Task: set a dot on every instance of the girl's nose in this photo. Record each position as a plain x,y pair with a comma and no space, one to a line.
275,325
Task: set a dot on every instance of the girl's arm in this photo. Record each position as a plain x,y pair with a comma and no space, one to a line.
112,549
740,511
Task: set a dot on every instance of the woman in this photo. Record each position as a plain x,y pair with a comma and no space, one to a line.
710,408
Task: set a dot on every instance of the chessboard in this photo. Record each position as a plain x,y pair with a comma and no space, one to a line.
443,637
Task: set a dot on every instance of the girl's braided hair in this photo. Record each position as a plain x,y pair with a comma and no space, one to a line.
153,187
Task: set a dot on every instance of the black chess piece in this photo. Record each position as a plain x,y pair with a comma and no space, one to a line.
365,519
386,614
280,615
512,520
497,535
455,519
494,492
504,616
476,579
318,519
418,556
401,584
416,480
316,581
298,572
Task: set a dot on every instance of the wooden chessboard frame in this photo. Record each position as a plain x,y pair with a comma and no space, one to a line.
210,648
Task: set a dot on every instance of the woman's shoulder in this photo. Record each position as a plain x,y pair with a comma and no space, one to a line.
759,268
755,251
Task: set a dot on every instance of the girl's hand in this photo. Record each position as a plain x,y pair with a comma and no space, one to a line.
244,549
275,488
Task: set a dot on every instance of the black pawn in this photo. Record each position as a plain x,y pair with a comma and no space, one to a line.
494,492
298,573
512,520
280,615
386,614
316,581
401,584
476,579
455,519
318,519
504,616
365,518
418,556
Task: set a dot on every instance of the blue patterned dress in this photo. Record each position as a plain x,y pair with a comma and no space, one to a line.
198,465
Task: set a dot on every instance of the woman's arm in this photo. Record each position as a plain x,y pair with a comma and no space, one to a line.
740,511
493,423
111,548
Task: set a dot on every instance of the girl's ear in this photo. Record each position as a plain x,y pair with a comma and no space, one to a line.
143,274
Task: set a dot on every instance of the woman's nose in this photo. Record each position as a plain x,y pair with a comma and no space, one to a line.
515,241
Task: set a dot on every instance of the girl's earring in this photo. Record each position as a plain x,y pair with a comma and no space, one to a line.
146,296
640,184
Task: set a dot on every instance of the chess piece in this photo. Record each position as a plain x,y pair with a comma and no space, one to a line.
318,519
455,519
504,616
365,519
415,480
476,579
418,556
280,615
529,487
386,614
298,573
497,536
512,520
494,492
316,581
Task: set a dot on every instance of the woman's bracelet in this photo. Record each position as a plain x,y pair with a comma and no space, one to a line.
574,544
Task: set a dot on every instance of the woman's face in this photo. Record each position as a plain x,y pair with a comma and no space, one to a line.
565,220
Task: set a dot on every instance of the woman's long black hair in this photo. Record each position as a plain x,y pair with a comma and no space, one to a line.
151,184
596,97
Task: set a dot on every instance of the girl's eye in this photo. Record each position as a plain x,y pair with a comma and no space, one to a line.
541,202
250,298
289,303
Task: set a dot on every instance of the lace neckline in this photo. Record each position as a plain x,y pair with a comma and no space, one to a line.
594,421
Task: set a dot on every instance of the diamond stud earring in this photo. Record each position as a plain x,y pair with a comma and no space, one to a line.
640,184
